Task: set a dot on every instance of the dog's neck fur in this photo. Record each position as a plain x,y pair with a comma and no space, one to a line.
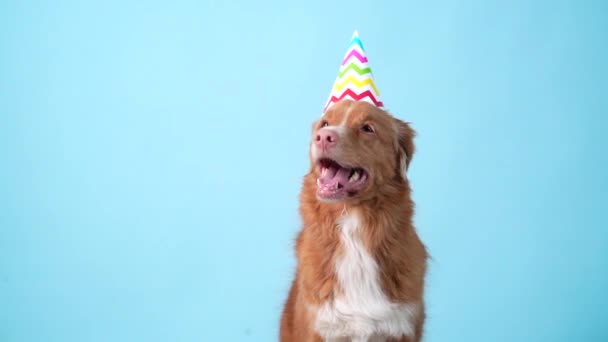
385,226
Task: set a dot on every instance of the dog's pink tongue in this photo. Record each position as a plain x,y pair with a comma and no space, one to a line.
333,176
327,174
342,175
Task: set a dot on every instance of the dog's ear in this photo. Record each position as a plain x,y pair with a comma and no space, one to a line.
405,144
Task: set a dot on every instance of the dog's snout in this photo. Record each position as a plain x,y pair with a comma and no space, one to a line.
326,138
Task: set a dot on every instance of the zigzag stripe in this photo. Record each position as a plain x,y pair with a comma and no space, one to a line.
357,41
356,54
355,67
355,97
360,84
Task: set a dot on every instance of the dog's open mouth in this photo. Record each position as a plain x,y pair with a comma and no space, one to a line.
336,182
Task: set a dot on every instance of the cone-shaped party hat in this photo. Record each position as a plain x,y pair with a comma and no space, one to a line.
355,80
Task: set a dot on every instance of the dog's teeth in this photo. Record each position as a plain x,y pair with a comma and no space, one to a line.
355,176
318,182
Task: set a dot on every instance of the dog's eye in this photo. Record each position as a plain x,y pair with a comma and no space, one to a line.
367,128
324,124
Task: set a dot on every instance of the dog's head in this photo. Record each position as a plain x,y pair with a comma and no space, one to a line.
358,151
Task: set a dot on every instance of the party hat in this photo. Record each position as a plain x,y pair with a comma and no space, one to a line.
355,80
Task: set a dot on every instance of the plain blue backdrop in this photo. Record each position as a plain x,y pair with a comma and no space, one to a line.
151,155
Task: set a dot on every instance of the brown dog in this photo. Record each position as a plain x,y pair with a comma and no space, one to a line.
361,265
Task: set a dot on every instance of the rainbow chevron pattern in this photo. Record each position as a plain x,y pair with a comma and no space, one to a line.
355,80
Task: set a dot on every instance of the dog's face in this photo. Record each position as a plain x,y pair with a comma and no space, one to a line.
357,149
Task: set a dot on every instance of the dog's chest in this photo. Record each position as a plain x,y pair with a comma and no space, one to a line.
361,311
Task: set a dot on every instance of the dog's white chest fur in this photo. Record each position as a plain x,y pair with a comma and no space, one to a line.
362,311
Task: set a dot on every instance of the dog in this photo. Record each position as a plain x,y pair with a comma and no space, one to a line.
361,265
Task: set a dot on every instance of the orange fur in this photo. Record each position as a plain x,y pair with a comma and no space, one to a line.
386,209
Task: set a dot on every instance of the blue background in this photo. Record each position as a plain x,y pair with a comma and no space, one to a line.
151,155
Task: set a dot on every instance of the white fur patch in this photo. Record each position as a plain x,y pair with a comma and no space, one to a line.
346,115
362,312
341,130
